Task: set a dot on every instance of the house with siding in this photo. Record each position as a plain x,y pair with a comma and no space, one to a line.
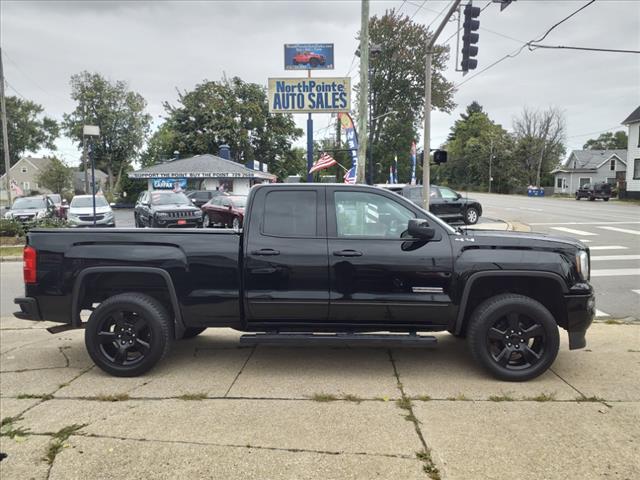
590,166
632,184
25,172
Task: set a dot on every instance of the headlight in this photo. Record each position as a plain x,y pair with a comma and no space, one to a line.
582,263
8,215
108,215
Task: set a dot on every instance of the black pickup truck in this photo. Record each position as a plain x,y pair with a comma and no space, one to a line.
315,263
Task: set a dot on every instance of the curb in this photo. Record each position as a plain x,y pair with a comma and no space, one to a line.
11,258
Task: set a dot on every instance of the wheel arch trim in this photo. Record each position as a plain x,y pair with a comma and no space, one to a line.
78,290
459,322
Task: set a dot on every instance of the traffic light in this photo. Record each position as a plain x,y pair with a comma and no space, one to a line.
440,157
469,38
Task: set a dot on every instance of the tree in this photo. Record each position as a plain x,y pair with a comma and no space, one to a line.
56,176
608,141
120,114
539,142
27,130
231,112
397,85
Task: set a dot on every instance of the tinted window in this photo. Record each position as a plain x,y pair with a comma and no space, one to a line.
360,214
82,202
290,214
169,198
448,193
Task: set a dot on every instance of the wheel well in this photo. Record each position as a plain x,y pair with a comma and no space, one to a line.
97,287
545,290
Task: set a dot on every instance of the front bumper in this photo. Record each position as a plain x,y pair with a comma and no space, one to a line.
103,222
177,222
581,310
29,309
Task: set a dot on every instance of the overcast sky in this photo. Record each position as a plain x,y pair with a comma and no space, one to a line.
158,47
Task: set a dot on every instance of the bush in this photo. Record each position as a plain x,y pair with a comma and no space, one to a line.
11,228
51,222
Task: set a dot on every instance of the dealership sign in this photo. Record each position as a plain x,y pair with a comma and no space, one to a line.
169,183
309,95
308,56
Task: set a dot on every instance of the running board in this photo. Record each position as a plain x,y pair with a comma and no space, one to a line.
338,339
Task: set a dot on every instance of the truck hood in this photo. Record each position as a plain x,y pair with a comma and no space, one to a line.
524,240
172,208
27,211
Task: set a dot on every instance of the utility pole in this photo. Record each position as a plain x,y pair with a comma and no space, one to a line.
490,161
364,92
84,164
5,134
426,180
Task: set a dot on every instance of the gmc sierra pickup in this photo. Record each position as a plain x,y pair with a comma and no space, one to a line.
314,263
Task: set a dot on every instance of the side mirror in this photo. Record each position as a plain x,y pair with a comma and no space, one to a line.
230,207
458,196
419,228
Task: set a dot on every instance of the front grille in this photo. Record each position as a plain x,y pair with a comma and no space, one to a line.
181,214
90,218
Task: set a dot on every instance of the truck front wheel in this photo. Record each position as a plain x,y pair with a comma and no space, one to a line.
514,337
128,334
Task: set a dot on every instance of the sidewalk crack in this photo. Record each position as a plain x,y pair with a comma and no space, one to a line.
241,369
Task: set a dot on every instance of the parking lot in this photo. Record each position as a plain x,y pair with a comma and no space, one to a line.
215,409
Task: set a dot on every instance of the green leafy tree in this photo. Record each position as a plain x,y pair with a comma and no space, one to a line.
397,85
608,141
56,176
231,112
28,130
120,114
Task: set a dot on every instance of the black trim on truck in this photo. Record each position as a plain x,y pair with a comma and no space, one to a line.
29,309
78,289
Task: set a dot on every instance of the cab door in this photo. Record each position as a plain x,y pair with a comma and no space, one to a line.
378,274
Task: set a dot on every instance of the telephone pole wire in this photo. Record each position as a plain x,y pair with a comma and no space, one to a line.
5,135
364,92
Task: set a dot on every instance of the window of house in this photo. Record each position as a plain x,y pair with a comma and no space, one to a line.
559,182
636,169
290,214
35,185
23,169
611,180
584,181
25,186
360,214
612,166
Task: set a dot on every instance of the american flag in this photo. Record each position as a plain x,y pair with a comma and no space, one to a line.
350,176
325,161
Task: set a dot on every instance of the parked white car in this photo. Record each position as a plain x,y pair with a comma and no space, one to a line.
80,212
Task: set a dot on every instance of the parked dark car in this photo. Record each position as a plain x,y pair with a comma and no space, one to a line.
443,202
314,264
200,197
592,191
166,209
225,211
29,209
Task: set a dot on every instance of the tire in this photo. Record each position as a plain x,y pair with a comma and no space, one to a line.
236,225
577,197
471,216
128,334
519,356
592,199
191,332
605,199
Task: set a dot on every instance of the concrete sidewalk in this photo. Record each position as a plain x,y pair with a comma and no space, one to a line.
213,409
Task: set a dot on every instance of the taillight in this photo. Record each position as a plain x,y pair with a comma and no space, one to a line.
29,269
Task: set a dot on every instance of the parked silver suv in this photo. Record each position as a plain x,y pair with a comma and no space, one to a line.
80,212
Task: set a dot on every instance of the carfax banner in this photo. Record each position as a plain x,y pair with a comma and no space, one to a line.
309,95
308,56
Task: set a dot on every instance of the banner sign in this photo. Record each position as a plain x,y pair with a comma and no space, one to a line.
309,95
308,56
413,163
169,183
346,124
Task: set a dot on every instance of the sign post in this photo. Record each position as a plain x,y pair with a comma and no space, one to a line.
92,131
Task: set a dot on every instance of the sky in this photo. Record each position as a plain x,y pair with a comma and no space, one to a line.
162,47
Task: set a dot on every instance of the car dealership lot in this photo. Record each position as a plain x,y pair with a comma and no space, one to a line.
215,409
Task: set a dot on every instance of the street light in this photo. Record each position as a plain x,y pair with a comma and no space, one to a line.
91,131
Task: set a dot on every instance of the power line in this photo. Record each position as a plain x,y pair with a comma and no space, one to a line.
404,1
517,52
588,49
418,9
593,133
446,7
14,89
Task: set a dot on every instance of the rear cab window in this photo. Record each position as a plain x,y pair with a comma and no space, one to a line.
291,213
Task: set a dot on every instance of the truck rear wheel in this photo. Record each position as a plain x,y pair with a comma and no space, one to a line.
514,337
128,334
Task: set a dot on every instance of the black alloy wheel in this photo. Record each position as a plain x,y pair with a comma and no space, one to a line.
514,337
128,334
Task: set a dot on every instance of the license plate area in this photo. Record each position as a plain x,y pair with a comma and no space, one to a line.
182,222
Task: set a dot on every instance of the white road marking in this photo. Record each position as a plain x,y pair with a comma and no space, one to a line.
575,232
615,272
622,230
608,247
602,258
600,313
586,223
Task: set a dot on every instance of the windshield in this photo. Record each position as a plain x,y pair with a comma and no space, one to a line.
169,198
55,198
81,202
29,204
238,202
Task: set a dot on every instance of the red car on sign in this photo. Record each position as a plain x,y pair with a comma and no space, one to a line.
313,59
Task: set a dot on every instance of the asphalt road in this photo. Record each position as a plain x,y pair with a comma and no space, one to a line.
610,229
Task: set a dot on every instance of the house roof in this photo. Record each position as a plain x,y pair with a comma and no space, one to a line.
200,166
633,118
592,159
